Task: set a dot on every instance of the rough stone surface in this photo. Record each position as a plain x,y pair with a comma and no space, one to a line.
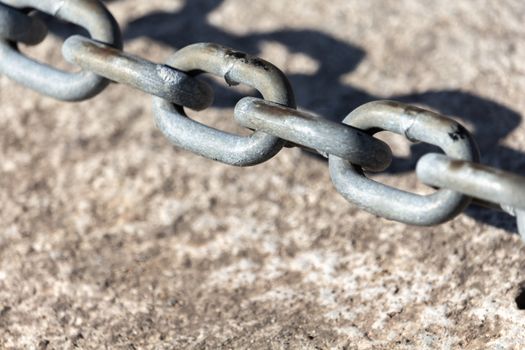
110,237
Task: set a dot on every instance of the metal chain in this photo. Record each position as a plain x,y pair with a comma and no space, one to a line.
349,146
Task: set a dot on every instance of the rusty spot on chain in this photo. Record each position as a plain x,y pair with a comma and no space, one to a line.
279,111
413,111
455,164
93,6
247,59
392,104
407,109
257,62
101,51
274,110
237,54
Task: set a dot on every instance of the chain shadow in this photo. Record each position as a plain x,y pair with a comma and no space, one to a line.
491,121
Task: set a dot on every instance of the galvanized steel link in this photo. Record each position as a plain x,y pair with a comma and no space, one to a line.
89,14
315,133
155,79
476,180
236,67
417,125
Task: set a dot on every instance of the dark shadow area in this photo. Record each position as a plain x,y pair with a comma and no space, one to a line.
520,298
322,92
60,28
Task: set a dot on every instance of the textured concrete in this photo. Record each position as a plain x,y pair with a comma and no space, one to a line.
110,237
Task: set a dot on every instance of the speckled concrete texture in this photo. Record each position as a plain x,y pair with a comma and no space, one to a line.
112,238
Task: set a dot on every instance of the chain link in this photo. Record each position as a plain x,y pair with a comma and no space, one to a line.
88,14
349,146
18,27
155,79
314,133
235,67
417,125
473,179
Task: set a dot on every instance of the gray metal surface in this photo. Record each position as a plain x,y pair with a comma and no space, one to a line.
89,14
417,125
155,79
313,132
236,67
349,146
476,180
20,27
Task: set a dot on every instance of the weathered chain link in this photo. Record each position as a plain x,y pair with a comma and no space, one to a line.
417,125
236,67
88,14
311,132
349,146
155,79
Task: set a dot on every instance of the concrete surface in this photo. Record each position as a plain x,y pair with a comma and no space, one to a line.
112,238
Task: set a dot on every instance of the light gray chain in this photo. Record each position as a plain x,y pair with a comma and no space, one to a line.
349,146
